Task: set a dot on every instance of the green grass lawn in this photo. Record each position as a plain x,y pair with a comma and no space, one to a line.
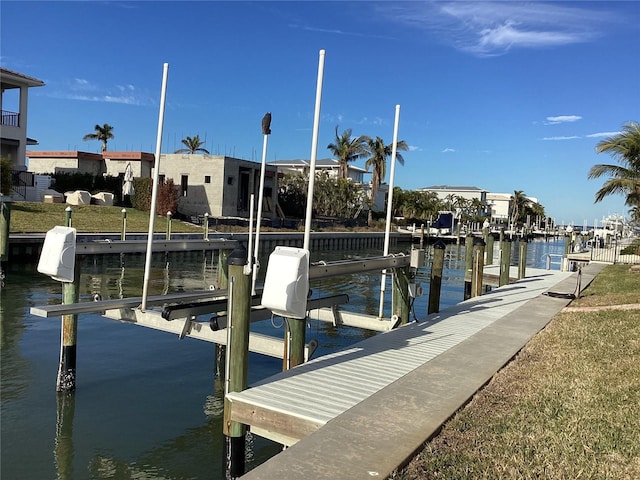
567,407
31,217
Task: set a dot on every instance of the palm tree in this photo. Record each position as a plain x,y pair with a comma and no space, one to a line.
347,149
378,162
194,145
519,200
102,133
625,177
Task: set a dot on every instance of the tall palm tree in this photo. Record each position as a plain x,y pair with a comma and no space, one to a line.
625,177
519,200
347,149
102,133
194,145
378,162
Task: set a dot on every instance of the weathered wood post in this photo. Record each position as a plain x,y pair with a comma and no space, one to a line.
205,234
489,250
223,283
123,233
522,258
239,312
435,284
400,301
478,267
169,225
63,451
66,381
294,347
5,228
468,265
505,261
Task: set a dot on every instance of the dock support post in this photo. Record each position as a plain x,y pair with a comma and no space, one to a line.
435,285
123,233
468,265
400,300
5,228
223,283
238,353
66,381
477,270
489,250
169,225
505,261
522,258
205,233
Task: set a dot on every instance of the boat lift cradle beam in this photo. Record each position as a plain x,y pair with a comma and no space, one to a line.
324,309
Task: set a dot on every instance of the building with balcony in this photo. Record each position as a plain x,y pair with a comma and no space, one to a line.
13,103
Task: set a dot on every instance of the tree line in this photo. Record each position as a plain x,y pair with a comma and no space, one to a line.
343,199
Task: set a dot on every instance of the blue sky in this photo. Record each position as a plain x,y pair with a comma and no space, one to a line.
499,95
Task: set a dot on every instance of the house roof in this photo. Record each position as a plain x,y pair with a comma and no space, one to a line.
322,163
454,188
11,79
88,155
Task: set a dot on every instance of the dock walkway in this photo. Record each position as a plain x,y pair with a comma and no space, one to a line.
363,411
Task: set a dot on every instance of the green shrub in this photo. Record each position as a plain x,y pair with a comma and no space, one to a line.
167,200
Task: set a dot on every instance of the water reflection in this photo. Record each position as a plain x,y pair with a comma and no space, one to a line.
147,404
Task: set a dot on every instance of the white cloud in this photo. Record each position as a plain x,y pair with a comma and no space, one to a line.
573,137
84,90
493,28
562,119
602,134
413,148
448,150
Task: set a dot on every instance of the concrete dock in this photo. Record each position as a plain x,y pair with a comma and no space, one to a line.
379,433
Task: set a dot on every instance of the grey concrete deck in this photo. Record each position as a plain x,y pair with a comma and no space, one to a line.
382,432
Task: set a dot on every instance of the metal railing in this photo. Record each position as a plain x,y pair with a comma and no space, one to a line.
10,119
20,180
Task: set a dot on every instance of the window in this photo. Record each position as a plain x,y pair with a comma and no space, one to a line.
161,179
184,183
229,180
207,179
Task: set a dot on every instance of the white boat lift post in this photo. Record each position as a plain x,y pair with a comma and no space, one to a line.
266,131
394,151
154,191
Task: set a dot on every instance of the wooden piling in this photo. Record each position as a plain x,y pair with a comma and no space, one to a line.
66,381
468,265
505,261
489,250
400,301
477,269
522,258
5,228
238,356
435,284
168,225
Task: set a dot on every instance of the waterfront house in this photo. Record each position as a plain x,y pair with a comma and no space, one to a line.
13,134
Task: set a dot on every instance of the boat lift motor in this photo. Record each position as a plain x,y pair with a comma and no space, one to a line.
58,257
286,285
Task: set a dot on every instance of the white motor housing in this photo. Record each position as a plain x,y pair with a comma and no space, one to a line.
286,285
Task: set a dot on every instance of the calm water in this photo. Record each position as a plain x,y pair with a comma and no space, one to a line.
147,404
